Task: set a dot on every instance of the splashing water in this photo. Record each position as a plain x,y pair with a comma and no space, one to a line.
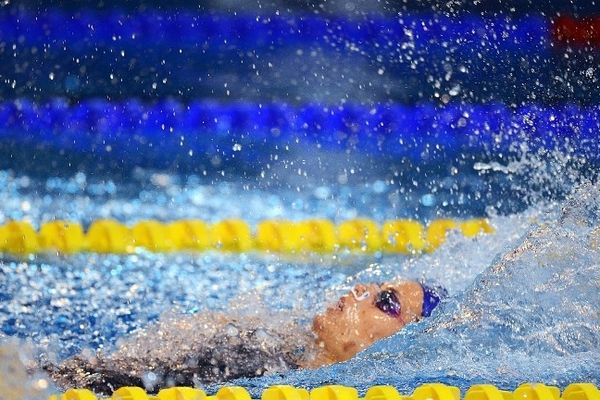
16,379
531,316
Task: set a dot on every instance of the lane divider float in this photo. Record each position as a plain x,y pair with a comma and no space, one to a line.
390,130
430,391
362,235
247,32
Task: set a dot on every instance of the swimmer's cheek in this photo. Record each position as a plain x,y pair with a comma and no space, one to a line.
317,325
350,348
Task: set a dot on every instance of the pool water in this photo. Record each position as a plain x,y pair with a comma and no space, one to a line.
301,110
530,315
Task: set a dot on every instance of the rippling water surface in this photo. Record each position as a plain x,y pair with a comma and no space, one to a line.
531,315
523,304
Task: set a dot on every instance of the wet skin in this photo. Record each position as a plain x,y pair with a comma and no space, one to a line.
355,321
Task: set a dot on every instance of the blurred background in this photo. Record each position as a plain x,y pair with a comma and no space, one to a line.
327,88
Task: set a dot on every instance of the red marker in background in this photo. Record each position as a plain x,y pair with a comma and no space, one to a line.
569,31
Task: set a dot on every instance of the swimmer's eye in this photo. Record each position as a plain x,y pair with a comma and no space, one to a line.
387,301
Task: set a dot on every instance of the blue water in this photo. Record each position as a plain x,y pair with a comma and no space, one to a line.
510,318
532,315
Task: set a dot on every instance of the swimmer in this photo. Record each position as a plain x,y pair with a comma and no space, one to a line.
209,348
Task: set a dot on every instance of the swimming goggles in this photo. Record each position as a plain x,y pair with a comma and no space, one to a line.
388,302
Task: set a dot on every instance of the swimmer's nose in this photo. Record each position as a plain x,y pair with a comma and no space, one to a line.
360,292
360,289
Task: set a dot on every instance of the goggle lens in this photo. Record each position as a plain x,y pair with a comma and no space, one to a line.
387,301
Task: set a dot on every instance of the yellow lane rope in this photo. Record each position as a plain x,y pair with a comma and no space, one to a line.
429,391
362,235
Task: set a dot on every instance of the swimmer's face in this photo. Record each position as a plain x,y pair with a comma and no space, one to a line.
366,314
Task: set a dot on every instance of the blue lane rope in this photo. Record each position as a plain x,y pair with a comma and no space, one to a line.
373,34
167,129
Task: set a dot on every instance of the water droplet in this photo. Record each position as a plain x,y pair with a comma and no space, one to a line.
428,200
